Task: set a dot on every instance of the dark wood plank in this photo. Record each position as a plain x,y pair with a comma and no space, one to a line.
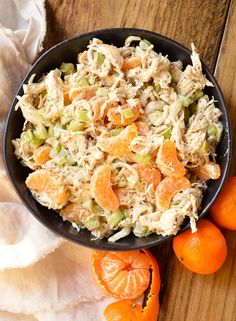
186,21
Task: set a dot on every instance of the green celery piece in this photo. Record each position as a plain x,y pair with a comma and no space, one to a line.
144,44
142,159
204,148
36,142
167,133
115,218
185,101
186,114
27,135
92,223
212,130
67,68
83,82
83,116
65,120
75,125
127,113
116,131
154,116
100,58
41,132
140,231
50,131
57,130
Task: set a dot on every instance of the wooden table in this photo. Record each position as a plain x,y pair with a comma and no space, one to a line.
210,24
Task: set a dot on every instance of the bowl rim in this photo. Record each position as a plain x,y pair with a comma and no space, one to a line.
110,246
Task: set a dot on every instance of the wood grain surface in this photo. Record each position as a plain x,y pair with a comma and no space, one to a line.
210,24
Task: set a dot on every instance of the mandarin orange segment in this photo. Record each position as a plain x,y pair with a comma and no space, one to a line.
118,145
67,98
149,174
41,154
168,162
207,171
101,188
121,275
131,63
202,252
48,183
116,118
166,190
74,212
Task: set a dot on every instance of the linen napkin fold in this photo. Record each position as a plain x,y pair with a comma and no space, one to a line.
42,277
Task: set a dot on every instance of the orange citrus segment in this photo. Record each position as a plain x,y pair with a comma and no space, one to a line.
124,310
168,162
115,115
148,173
74,212
41,154
118,145
66,95
131,63
207,171
101,188
123,274
166,190
48,183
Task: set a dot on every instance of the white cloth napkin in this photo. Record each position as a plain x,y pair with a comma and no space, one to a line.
42,277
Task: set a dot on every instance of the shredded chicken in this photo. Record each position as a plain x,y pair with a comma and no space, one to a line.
75,112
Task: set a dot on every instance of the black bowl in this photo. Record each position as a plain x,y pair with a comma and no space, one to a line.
67,51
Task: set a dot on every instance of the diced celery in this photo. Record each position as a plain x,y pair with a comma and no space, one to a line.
175,202
198,94
167,133
41,111
127,113
125,213
92,223
116,131
75,125
186,114
57,130
212,130
36,142
185,101
50,131
144,44
219,134
176,76
83,82
65,120
154,116
100,58
44,93
140,231
23,163
67,68
204,148
142,159
132,180
83,116
54,152
41,132
27,135
157,88
102,92
114,218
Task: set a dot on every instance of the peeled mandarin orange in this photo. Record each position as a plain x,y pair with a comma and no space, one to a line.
123,275
125,310
46,182
118,145
166,190
223,210
207,171
131,63
101,188
41,154
202,252
168,162
149,174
